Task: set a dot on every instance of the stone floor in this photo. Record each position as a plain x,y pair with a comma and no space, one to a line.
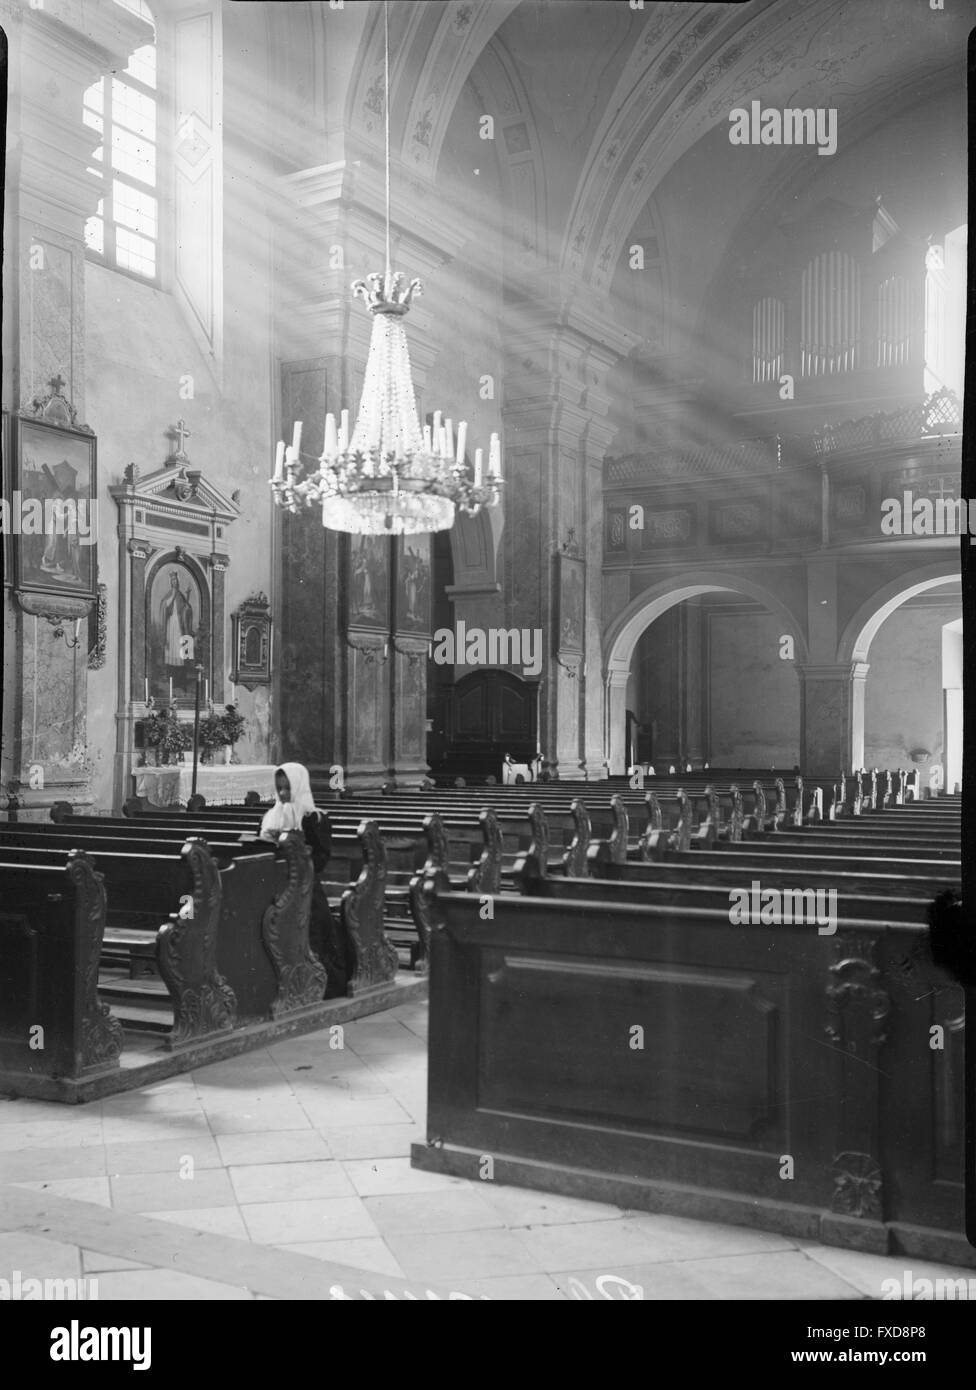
285,1174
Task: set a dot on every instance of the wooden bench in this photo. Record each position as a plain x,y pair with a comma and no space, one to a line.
658,1058
52,920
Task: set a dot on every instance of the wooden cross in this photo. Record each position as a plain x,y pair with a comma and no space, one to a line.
180,430
57,384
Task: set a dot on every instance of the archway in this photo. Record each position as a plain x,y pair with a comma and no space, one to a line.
625,631
910,702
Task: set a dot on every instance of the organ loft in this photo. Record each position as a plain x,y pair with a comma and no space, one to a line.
482,733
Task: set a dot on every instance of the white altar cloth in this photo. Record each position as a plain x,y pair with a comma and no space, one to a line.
221,784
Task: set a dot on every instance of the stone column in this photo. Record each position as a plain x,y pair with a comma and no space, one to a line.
831,718
56,51
556,434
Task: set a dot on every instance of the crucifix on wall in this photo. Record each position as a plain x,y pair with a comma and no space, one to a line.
181,433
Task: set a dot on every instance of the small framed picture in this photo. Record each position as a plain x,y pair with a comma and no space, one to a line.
53,508
571,591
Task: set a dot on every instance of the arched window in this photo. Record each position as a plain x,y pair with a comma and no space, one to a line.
830,315
768,337
945,313
124,232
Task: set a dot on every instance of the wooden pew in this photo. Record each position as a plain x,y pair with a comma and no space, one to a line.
52,919
262,922
655,1057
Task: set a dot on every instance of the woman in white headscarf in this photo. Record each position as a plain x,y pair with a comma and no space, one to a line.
295,809
293,801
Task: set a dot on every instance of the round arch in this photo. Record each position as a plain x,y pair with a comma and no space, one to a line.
855,642
624,631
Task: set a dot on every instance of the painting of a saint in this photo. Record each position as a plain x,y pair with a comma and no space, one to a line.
413,589
173,632
57,483
571,605
369,581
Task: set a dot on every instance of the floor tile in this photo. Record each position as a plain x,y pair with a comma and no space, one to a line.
451,1257
298,1182
36,1165
46,1134
867,1273
526,1288
272,1146
158,1284
271,1115
218,1221
379,1176
432,1211
678,1238
144,1192
585,1244
186,1155
519,1206
80,1189
287,1223
166,1124
93,1262
36,1257
349,1113
374,1141
372,1255
777,1276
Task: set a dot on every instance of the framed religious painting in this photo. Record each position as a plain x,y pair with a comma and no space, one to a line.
54,518
570,613
177,630
369,583
413,584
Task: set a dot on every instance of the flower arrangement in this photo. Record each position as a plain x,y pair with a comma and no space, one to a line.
164,732
233,724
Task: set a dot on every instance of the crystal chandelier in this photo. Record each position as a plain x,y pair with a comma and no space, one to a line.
392,477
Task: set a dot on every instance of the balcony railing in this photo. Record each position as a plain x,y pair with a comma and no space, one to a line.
938,414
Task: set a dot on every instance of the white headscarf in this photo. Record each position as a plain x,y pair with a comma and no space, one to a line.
288,815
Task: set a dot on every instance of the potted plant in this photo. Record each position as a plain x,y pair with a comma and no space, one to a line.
232,723
212,734
169,737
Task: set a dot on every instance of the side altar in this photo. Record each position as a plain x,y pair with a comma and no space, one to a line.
172,622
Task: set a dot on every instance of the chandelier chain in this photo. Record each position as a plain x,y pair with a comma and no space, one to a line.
386,111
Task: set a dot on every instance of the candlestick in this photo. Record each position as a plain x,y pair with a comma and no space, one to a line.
437,426
331,439
478,458
495,457
233,693
147,690
427,444
344,432
171,689
279,472
462,439
449,439
206,692
296,442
